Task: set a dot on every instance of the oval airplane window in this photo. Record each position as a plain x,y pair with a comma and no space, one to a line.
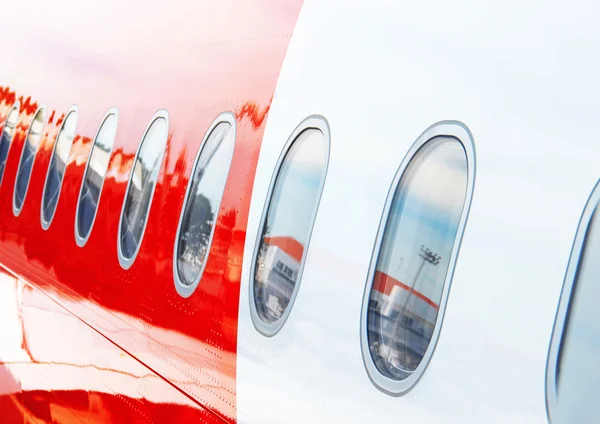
93,177
8,132
414,256
573,366
287,223
57,166
140,188
201,206
30,148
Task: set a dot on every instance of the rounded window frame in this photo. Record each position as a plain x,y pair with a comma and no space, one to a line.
16,106
181,288
81,241
126,263
591,207
444,129
311,122
46,224
17,210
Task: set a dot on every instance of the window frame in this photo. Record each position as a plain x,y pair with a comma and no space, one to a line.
81,241
311,122
17,210
181,288
126,263
569,283
46,224
16,106
443,129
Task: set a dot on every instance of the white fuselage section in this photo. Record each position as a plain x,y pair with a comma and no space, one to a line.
523,76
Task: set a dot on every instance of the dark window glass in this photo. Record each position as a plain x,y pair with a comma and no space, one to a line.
56,169
413,260
202,203
93,179
288,224
577,372
140,189
8,133
30,148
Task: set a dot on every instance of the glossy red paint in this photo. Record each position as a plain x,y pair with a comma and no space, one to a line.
229,61
57,369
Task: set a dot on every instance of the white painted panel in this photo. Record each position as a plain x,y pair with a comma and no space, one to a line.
523,76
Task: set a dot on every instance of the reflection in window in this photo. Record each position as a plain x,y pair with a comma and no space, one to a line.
202,204
93,178
413,260
141,189
30,149
288,225
7,135
56,169
577,370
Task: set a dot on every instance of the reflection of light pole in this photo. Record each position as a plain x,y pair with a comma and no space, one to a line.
428,256
399,265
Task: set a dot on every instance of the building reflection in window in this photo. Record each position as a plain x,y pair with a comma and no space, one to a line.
141,189
413,260
203,201
58,164
577,371
93,179
288,224
28,154
8,132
